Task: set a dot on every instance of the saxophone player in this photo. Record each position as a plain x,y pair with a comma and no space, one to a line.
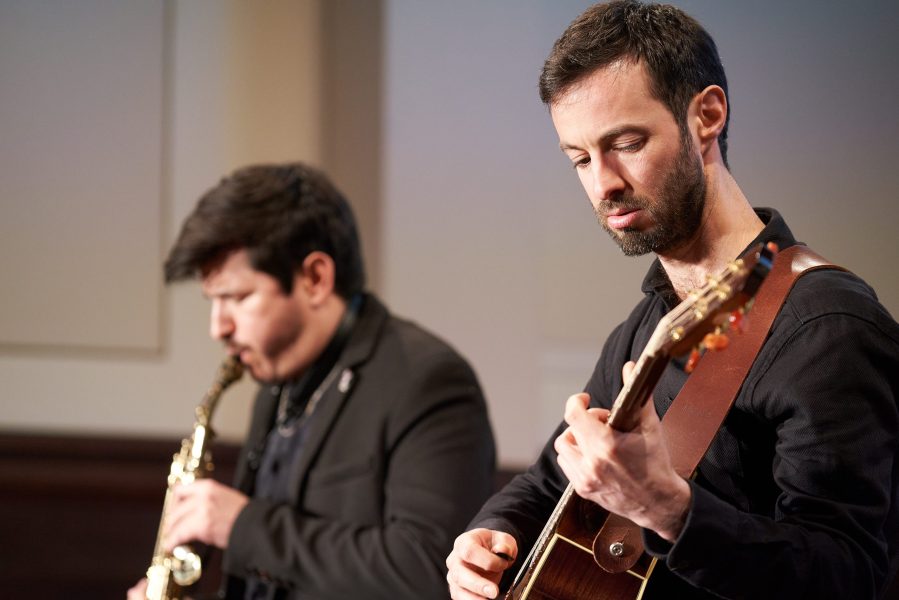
369,446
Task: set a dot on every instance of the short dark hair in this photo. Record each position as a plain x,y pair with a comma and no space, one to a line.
278,214
680,56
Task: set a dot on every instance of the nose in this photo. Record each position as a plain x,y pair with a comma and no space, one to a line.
606,180
221,325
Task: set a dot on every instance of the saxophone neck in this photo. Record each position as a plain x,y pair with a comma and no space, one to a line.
229,371
203,412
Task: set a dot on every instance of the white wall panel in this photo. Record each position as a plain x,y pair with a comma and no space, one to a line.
216,94
81,173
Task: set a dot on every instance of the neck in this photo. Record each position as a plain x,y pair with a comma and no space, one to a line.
728,225
321,324
333,313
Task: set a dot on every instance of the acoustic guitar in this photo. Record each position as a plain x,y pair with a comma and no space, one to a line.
585,552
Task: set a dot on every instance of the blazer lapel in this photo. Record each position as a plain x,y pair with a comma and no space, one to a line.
339,385
251,453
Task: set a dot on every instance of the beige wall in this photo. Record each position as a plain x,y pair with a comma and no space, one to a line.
222,84
489,238
426,114
82,173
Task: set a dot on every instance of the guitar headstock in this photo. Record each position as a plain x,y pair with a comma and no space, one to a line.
703,312
708,308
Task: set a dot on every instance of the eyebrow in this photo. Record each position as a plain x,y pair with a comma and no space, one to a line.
610,135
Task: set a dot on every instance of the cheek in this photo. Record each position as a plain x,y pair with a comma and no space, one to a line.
649,174
586,178
282,328
643,168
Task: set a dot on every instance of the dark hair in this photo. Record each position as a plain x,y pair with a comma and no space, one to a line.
680,56
278,214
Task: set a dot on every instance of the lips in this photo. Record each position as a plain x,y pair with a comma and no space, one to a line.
238,353
622,218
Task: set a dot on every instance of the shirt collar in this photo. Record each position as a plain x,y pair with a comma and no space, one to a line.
775,230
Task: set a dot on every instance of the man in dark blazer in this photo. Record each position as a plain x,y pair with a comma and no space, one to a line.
369,447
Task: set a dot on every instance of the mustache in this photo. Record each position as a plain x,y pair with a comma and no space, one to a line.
234,350
623,202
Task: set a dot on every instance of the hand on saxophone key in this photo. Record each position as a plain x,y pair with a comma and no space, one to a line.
203,511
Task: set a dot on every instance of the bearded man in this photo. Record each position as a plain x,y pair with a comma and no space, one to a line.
798,495
369,446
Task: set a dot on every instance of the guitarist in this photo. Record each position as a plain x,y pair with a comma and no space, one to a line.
798,495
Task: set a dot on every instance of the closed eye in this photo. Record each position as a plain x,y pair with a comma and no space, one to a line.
632,147
581,163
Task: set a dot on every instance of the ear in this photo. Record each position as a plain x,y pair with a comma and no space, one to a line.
315,277
709,108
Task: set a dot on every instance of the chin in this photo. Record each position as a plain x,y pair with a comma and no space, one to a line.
264,378
253,371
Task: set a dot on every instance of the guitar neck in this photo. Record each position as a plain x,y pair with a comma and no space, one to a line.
626,409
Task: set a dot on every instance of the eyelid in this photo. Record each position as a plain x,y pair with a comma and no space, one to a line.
628,143
228,296
572,154
629,147
580,161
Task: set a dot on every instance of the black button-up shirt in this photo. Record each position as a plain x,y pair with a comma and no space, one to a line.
798,495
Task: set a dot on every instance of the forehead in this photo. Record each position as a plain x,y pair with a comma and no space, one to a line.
232,272
615,96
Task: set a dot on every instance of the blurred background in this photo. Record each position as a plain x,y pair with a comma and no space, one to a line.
116,115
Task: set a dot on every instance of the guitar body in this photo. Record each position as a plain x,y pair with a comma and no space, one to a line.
567,567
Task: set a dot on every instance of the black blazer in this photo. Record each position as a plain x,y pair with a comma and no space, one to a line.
399,455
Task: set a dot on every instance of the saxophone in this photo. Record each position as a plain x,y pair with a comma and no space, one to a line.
169,573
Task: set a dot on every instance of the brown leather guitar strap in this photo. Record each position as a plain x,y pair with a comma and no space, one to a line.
699,409
702,404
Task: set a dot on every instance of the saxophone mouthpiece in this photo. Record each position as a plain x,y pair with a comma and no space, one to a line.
230,371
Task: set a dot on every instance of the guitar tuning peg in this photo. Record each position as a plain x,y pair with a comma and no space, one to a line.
695,355
715,341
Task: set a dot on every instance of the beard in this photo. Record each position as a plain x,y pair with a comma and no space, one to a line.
676,212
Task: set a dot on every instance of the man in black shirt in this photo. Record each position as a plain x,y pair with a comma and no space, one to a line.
798,495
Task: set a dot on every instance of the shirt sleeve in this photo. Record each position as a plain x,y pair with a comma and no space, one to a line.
827,389
523,506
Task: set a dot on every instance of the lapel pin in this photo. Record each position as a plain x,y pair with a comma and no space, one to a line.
346,380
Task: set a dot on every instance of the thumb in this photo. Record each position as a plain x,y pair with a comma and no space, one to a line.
503,545
627,370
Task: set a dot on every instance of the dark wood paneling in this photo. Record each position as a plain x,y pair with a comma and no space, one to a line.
80,514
